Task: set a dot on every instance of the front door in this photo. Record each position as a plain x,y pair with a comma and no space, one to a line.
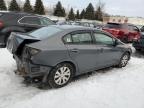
110,54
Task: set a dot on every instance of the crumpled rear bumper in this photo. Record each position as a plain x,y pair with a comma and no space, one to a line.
26,68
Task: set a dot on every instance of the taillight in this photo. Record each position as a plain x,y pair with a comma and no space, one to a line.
33,51
1,24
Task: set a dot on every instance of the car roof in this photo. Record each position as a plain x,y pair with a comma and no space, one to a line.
73,27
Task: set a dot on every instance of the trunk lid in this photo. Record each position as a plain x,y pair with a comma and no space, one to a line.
17,41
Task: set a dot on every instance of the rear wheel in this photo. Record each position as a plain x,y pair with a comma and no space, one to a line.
60,75
124,60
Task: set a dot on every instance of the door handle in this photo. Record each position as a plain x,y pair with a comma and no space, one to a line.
75,50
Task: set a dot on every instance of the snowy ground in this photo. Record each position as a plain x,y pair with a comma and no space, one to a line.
109,88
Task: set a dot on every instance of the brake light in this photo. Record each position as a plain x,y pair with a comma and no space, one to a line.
1,24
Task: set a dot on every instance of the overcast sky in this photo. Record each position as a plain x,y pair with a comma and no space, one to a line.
114,7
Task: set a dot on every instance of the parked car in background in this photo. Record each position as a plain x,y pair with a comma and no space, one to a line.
81,23
91,24
139,26
142,29
63,23
139,44
125,32
58,53
19,22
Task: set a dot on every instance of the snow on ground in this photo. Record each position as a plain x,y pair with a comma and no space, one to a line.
109,88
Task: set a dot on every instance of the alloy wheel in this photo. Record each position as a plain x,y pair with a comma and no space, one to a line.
124,60
62,75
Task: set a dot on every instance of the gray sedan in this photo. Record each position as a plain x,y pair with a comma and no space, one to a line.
55,54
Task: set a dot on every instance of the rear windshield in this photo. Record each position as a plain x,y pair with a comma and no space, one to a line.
45,32
113,25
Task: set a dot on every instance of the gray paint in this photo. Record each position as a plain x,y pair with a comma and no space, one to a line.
87,58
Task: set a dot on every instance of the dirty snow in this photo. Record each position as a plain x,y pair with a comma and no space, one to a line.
109,88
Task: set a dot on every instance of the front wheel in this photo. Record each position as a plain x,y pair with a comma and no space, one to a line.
124,60
60,75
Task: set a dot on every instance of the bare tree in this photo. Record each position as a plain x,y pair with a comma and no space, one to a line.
100,11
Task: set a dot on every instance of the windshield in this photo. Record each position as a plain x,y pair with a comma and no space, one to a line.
45,32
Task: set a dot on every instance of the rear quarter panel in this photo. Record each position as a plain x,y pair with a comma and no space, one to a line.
53,51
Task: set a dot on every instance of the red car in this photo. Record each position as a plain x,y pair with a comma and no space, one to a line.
125,32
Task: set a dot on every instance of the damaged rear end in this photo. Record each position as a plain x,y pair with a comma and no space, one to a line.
17,42
17,45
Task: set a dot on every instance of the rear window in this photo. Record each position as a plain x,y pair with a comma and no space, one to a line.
113,25
45,32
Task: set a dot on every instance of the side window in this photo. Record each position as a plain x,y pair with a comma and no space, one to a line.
103,39
46,21
67,39
82,38
30,20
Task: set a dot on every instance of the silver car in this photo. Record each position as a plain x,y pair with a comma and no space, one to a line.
56,54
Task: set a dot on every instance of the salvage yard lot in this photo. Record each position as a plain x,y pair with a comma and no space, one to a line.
108,88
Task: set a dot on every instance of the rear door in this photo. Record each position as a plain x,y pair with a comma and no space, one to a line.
110,54
82,50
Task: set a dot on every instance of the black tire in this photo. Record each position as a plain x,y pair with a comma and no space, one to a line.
53,80
124,60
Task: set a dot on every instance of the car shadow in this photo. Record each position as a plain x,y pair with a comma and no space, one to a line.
89,74
76,78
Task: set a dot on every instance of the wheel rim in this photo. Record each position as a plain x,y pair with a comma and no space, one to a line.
124,60
62,75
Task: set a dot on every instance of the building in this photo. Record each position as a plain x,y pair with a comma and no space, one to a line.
123,19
